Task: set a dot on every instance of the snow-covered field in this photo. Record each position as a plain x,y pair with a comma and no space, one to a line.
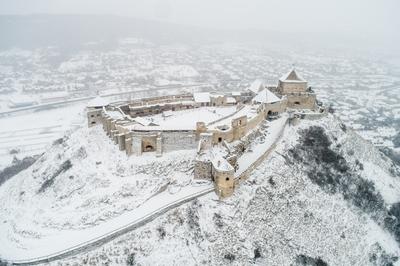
30,133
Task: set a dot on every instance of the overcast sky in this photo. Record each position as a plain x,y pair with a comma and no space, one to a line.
370,19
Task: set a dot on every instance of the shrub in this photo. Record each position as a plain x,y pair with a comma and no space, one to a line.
230,257
65,166
396,140
58,141
218,220
343,127
271,181
161,232
331,109
394,156
366,197
14,151
310,261
380,257
257,253
131,259
16,167
193,221
329,169
392,221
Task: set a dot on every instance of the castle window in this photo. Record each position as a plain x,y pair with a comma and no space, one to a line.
219,139
227,179
297,103
91,115
93,122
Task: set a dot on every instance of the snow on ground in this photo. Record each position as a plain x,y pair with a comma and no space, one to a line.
246,110
187,119
271,134
375,166
82,187
274,217
30,133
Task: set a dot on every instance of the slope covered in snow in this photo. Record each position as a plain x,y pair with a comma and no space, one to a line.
323,197
82,181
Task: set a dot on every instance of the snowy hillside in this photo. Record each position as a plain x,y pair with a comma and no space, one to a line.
82,180
324,197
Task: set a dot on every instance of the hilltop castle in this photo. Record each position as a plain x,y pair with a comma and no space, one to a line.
216,124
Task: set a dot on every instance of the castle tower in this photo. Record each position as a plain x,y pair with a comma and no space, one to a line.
292,82
223,175
295,88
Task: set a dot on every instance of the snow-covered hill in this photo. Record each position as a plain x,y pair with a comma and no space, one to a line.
323,197
82,181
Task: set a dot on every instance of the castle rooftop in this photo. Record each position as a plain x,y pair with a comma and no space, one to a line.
292,76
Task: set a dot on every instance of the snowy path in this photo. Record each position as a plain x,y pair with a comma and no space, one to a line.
58,244
249,160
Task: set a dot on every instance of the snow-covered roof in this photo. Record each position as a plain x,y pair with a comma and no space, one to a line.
230,100
115,114
266,96
168,113
292,76
144,121
98,102
201,97
256,86
221,164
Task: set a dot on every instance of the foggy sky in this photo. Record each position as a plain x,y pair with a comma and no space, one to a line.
366,18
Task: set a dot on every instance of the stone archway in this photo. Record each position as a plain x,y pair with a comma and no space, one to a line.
149,148
149,143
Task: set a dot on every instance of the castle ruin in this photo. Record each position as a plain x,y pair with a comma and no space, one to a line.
217,125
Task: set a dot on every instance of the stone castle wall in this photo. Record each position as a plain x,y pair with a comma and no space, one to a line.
292,87
178,140
301,101
224,182
94,117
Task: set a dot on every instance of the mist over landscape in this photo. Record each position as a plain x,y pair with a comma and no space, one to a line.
329,183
